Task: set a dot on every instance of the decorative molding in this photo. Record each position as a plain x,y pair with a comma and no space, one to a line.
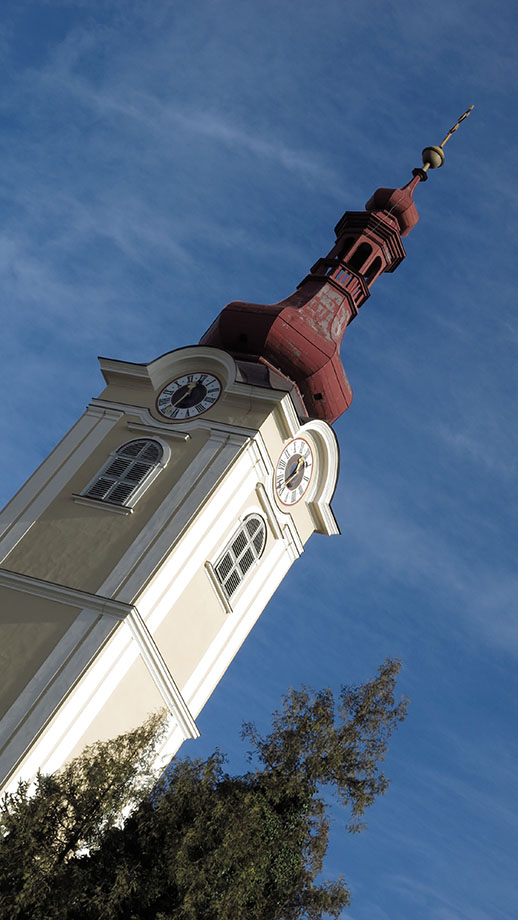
324,519
101,412
100,504
166,430
161,369
260,454
269,510
322,489
157,372
289,416
113,367
222,597
292,541
161,674
268,394
61,594
202,422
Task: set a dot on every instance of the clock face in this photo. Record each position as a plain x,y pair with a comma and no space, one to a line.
293,471
188,396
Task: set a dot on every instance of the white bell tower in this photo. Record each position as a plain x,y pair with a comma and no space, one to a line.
137,558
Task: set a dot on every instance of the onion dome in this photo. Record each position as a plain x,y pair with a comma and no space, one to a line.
399,203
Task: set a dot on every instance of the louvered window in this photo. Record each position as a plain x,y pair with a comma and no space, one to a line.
243,551
125,471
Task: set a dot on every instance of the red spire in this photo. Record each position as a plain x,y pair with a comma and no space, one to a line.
300,336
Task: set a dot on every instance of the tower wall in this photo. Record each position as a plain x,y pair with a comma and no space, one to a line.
119,610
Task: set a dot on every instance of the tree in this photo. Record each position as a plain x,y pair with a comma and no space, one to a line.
200,844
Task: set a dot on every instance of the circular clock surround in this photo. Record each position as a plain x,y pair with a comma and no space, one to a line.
293,471
188,396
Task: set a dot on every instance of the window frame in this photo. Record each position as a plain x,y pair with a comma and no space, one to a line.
212,568
128,505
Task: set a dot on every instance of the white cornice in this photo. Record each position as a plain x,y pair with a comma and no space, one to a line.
167,365
288,418
104,412
152,425
101,505
325,521
154,372
113,367
61,594
154,429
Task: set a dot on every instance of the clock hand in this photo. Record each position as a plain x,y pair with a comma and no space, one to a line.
190,388
300,464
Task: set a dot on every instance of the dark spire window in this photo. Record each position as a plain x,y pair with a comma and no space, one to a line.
125,472
359,257
373,269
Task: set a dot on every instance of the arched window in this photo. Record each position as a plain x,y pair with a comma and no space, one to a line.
126,470
345,247
373,269
241,553
359,257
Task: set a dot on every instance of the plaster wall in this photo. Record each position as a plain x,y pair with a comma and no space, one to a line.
30,627
190,627
128,706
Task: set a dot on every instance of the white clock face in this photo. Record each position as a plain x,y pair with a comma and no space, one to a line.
188,396
293,471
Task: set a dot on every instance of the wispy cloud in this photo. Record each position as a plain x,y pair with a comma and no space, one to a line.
416,551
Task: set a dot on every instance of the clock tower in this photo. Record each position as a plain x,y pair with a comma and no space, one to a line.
138,556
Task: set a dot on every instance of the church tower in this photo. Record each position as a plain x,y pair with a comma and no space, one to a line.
137,558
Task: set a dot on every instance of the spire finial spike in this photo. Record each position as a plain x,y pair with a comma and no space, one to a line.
433,157
456,125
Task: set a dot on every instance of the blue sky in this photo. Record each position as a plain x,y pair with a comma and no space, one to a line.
162,159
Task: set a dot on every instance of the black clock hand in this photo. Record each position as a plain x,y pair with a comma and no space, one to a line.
190,388
296,471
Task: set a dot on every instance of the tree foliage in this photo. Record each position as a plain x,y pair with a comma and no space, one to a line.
200,845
